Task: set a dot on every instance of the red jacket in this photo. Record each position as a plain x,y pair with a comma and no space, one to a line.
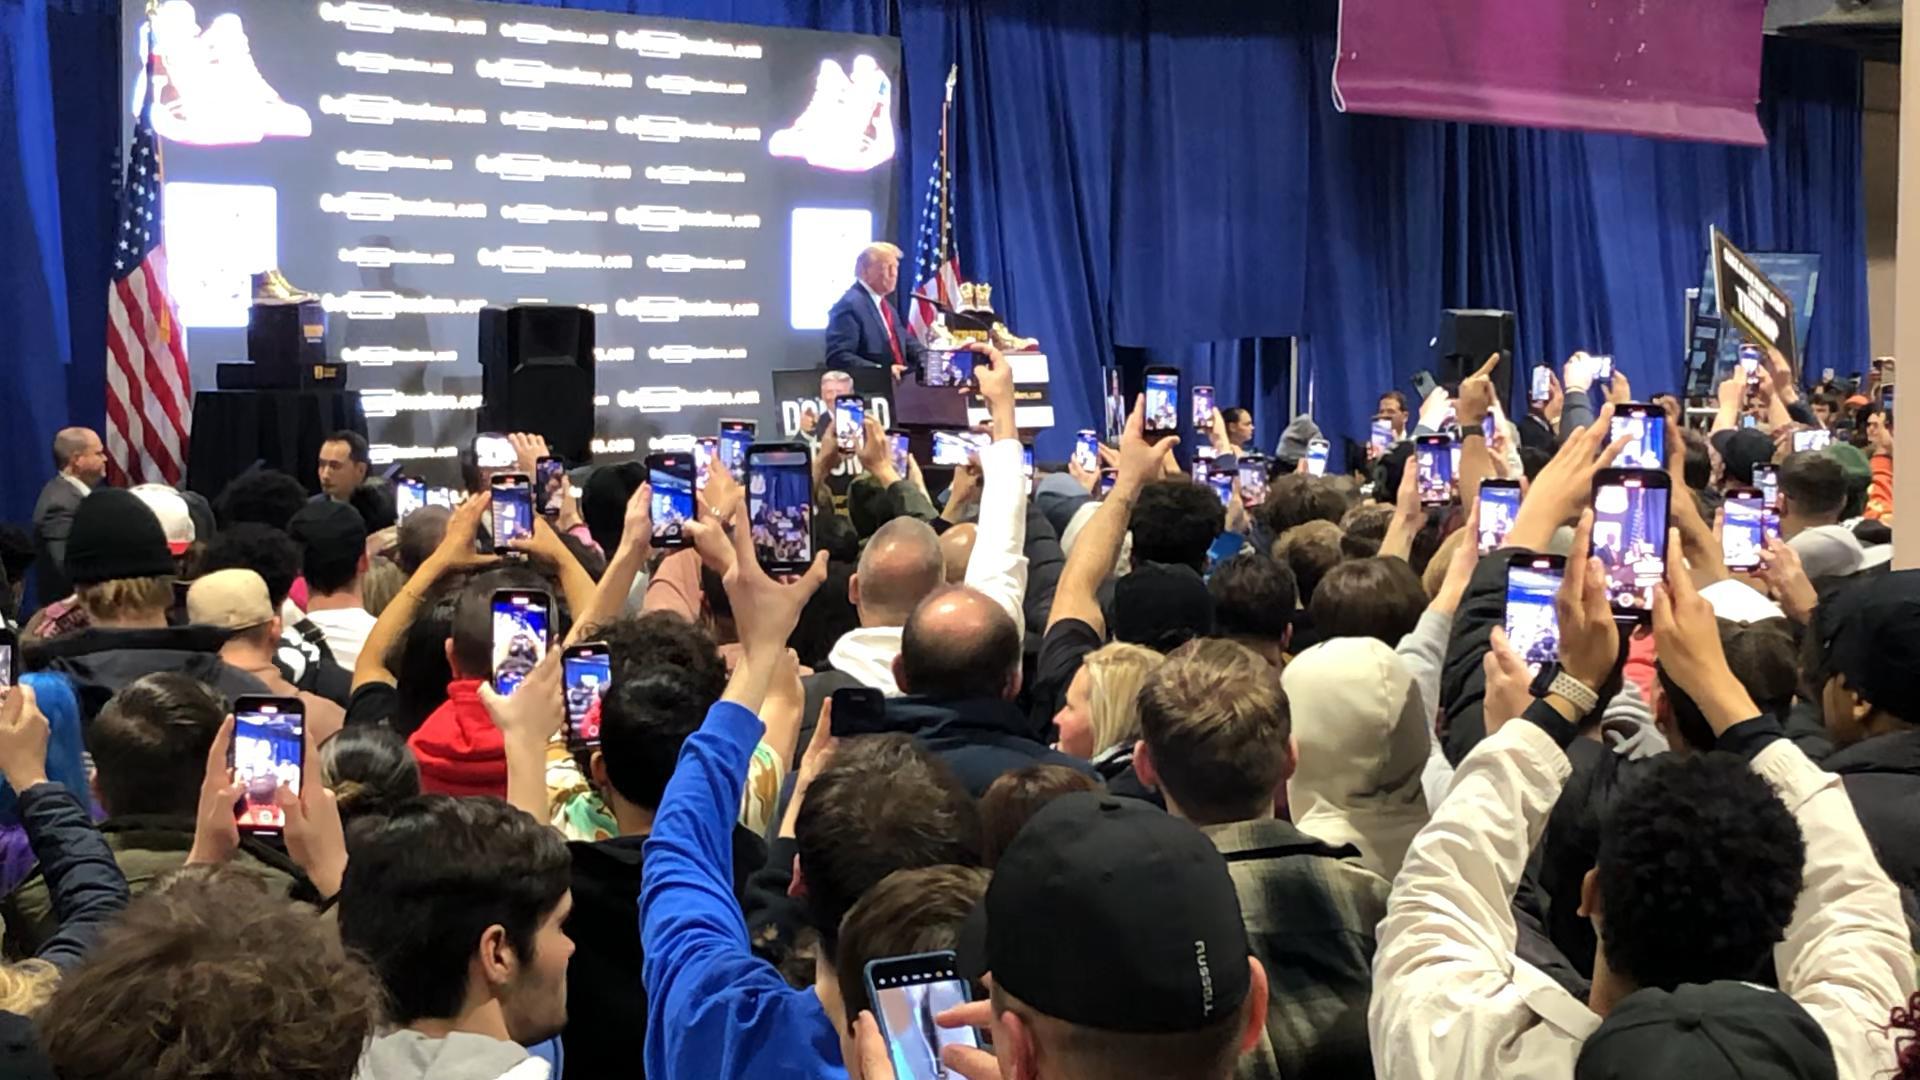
459,750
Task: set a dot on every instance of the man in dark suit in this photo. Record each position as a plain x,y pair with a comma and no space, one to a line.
81,459
865,329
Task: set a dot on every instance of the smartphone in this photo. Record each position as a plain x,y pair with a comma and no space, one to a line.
780,506
952,448
9,665
512,509
1424,384
1026,461
521,634
1202,410
1532,624
1743,530
586,671
1433,456
1749,421
947,368
1499,505
849,418
859,710
1542,388
549,485
1813,439
735,437
1317,457
1767,479
269,748
907,993
1202,463
1646,425
1221,480
1104,485
1253,479
1163,398
1381,436
1603,369
494,452
1630,536
1086,450
1886,403
1750,363
672,477
706,451
902,455
1826,375
408,495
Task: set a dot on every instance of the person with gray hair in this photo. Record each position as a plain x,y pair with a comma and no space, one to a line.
80,463
865,328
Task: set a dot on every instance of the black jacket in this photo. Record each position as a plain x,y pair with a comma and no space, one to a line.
1882,777
1463,685
52,522
606,1003
101,661
978,738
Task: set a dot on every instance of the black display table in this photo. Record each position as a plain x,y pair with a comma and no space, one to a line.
232,429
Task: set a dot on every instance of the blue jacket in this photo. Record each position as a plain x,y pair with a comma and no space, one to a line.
978,738
857,338
714,1011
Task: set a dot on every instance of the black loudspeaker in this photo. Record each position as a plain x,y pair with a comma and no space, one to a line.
287,349
1466,339
536,375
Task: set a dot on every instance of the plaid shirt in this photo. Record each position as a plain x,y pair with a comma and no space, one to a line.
1310,913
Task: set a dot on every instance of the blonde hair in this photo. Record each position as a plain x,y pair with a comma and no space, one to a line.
26,986
871,252
1115,674
1436,573
383,581
1217,723
121,598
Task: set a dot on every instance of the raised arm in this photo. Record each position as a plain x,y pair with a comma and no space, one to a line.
998,567
623,567
455,553
1099,542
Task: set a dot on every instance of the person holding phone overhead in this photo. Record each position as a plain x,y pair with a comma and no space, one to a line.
865,328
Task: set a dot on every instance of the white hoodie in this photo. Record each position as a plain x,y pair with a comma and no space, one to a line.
409,1055
1361,731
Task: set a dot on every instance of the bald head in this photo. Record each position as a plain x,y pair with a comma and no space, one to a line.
959,644
78,452
900,565
957,542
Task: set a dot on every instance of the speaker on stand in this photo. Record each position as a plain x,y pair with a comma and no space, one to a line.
536,375
1466,339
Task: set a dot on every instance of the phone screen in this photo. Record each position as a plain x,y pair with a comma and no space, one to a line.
1815,439
897,446
1768,481
1317,457
549,485
1433,457
1750,363
1026,461
908,992
520,631
268,750
951,448
494,452
1646,426
1630,535
672,477
849,414
780,507
1542,383
1086,451
1116,406
859,710
1202,409
1533,627
706,450
8,671
1886,401
512,509
1253,479
408,495
1163,402
587,671
1202,463
1105,484
1499,505
1222,483
1603,368
1743,532
735,437
1381,435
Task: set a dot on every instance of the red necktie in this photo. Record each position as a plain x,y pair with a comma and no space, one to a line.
893,339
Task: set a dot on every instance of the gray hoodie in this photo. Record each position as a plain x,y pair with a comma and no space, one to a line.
409,1055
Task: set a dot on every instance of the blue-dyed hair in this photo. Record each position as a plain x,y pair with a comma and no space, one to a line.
65,765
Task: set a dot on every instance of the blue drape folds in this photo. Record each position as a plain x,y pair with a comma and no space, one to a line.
1140,178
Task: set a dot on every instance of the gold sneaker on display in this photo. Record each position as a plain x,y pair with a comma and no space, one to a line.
271,286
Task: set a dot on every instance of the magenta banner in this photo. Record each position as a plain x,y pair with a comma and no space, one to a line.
1681,69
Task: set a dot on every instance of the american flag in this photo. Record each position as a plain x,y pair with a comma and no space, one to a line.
937,267
149,388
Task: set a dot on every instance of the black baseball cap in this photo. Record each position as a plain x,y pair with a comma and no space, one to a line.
1744,449
1871,632
332,534
1112,914
1707,1031
1161,606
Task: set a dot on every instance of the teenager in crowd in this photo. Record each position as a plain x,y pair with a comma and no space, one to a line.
1017,796
333,539
236,601
302,656
369,769
1254,597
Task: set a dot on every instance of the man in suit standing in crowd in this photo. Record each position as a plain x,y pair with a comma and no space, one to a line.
864,328
81,459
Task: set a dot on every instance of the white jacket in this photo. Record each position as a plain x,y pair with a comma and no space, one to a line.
1451,999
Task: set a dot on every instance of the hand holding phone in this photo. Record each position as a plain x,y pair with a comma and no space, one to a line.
268,749
1317,457
512,509
1162,403
849,421
549,486
1645,428
907,993
587,673
1630,513
1499,505
522,634
1202,411
1532,623
1743,531
1433,458
780,506
672,479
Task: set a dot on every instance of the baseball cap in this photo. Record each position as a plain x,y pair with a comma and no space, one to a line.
1108,913
1871,633
332,533
1706,1032
1746,448
176,520
115,536
230,600
1293,441
1161,606
603,500
1828,551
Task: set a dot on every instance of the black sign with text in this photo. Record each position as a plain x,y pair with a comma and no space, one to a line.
1750,300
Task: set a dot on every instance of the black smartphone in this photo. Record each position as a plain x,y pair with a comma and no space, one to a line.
1163,402
859,710
549,486
1433,456
706,453
780,505
9,660
672,477
1424,384
1202,411
899,450
1542,387
1743,528
1221,480
1253,479
1105,484
522,632
269,748
512,509
907,993
1630,536
1646,426
408,495
1532,624
1086,450
1499,505
849,417
735,437
586,671
1767,478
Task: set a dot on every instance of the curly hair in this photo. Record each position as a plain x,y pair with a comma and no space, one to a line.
1175,521
260,497
210,974
1906,1044
662,639
1698,870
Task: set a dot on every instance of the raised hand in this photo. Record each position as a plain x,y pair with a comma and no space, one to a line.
1688,638
23,740
1476,396
1140,462
1565,486
1589,637
216,835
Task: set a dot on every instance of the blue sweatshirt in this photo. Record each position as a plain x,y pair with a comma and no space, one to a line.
714,1011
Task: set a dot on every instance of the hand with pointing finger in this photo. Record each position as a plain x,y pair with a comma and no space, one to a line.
1476,396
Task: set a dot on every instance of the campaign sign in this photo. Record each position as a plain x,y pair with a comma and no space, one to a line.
1745,295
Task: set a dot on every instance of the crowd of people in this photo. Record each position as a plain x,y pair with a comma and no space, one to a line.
1155,787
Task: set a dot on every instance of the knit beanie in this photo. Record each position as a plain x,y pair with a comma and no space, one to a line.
116,536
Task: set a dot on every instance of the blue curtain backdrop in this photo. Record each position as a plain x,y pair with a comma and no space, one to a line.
1161,179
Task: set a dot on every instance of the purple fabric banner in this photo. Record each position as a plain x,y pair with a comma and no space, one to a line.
1682,69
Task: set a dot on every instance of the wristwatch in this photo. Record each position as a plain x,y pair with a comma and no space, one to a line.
1552,680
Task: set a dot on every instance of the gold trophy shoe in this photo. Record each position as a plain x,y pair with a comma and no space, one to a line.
272,287
1007,341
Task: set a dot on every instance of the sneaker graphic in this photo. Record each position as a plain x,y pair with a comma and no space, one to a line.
848,126
207,90
232,58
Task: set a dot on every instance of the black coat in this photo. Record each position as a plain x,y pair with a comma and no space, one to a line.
978,738
1882,777
52,521
100,661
